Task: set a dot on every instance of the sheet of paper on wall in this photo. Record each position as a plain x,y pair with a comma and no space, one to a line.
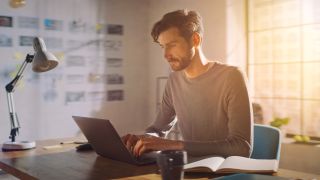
18,56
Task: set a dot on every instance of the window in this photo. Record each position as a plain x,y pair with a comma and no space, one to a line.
284,61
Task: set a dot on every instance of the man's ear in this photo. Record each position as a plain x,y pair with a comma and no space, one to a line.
196,39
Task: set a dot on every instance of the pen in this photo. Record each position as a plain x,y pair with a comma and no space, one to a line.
73,142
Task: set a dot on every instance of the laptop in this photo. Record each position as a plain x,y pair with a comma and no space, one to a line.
106,142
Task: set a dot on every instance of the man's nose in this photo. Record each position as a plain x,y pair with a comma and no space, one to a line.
167,55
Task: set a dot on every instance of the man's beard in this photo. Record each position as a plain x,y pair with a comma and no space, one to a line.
178,65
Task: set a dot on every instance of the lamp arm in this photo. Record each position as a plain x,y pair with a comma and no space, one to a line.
14,121
10,89
10,86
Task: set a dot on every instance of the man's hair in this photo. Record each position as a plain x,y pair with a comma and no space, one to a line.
186,21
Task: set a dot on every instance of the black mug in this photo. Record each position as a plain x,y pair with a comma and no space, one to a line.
170,163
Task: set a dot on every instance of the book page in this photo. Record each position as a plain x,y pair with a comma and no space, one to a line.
202,165
249,165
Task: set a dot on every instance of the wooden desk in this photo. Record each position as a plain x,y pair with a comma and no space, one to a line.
65,163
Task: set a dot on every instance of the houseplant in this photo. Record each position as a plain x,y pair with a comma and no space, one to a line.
279,123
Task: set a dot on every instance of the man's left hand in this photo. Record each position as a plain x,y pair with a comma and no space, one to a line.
151,143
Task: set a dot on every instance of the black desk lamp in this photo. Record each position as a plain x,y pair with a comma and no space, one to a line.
42,61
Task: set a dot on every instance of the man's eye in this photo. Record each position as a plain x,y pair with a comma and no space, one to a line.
171,45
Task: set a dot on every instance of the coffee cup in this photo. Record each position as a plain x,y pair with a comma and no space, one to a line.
170,163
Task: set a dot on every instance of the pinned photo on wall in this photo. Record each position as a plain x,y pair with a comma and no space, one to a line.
115,95
47,80
77,26
50,93
26,40
75,61
115,29
97,96
53,24
28,22
74,45
90,28
97,63
114,62
115,79
75,78
6,21
5,40
33,78
53,42
111,45
97,78
18,56
101,28
93,45
75,96
6,73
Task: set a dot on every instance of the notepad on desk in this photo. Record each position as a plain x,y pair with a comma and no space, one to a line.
233,164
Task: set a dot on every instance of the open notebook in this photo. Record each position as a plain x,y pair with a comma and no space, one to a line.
233,164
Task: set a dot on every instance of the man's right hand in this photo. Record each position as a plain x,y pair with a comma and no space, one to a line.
130,140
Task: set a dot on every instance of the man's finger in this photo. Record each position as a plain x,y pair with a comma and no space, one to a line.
142,150
136,147
143,145
131,142
125,138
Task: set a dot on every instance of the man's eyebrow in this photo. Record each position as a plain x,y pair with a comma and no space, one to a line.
171,42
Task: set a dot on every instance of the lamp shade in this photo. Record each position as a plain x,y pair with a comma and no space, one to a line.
43,60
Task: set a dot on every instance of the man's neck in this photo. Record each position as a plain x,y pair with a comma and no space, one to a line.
198,66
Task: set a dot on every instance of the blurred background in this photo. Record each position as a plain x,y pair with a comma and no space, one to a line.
110,68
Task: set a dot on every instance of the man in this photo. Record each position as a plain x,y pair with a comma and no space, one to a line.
209,99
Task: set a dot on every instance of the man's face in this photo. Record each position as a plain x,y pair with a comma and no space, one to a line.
177,51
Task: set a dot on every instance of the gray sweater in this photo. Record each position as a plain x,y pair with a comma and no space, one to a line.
213,112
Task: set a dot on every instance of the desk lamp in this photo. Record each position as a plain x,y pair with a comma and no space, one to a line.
42,61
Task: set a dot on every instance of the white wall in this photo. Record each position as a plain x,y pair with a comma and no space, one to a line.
236,40
130,115
42,120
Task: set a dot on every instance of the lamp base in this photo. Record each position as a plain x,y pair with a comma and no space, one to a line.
16,146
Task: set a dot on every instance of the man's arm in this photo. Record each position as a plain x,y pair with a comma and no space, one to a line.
153,137
165,115
240,123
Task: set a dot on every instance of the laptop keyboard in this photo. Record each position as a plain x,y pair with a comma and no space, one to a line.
148,157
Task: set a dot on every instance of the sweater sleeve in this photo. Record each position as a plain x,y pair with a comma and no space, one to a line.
165,115
240,125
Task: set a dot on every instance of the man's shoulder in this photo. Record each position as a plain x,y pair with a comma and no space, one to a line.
226,69
225,66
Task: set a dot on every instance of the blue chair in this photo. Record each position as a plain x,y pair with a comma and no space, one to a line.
266,143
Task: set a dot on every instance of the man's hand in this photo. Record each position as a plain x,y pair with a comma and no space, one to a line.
139,144
130,140
151,143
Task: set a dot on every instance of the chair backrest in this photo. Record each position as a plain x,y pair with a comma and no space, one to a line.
266,143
